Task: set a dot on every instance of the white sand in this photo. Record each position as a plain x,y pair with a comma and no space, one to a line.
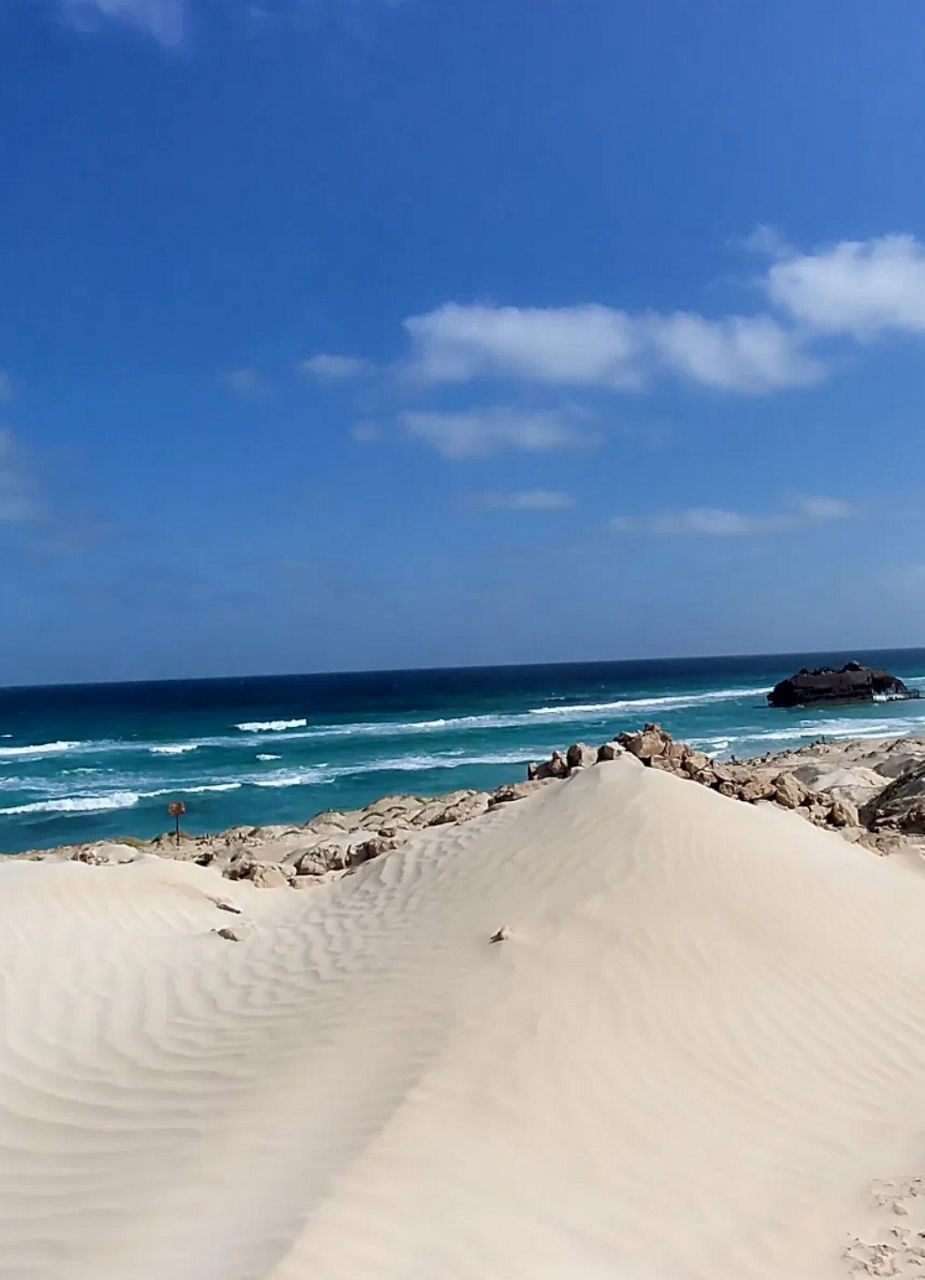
702,1041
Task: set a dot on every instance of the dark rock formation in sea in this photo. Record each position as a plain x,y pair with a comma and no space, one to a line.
852,683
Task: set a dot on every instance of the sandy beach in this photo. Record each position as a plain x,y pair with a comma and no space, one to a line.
695,1049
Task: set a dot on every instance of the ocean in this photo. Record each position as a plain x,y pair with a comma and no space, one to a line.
91,762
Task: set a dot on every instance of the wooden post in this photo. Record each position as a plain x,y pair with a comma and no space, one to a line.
176,809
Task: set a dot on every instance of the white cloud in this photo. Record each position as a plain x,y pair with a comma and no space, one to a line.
165,20
597,346
737,353
7,390
584,345
479,433
527,500
334,367
857,287
246,382
17,502
717,522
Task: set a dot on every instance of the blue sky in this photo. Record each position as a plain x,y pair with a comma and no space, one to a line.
345,333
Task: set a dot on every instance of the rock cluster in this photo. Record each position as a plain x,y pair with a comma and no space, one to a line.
658,750
900,806
870,792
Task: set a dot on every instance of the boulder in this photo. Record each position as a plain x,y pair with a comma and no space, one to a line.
843,814
516,791
458,806
900,806
313,863
555,767
609,751
269,875
756,789
652,741
581,756
788,792
677,754
374,848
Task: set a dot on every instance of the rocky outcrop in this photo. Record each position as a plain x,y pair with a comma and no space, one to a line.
851,683
872,793
900,806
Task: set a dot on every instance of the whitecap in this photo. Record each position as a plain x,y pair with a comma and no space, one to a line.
264,756
321,774
38,749
669,702
186,791
174,749
270,726
78,804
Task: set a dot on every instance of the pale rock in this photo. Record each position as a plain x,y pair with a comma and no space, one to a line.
459,806
555,767
756,789
652,741
516,791
844,814
374,848
788,792
678,754
269,875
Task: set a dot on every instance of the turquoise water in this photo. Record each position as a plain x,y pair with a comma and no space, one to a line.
98,761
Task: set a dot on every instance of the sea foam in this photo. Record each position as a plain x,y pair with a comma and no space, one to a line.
38,749
79,804
270,726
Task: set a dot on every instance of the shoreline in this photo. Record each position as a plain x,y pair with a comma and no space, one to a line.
832,785
640,1011
93,765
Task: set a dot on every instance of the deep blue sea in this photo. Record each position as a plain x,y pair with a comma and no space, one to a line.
87,762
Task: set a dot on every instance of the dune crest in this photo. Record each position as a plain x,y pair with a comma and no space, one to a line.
626,1027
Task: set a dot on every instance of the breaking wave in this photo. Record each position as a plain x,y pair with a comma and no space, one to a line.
79,804
270,726
670,702
39,749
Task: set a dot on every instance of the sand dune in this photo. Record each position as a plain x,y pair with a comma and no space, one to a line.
698,1054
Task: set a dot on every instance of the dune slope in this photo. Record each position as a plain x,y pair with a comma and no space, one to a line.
697,1054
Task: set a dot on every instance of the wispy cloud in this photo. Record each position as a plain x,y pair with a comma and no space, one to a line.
526,500
717,522
163,20
18,504
243,382
334,368
479,433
